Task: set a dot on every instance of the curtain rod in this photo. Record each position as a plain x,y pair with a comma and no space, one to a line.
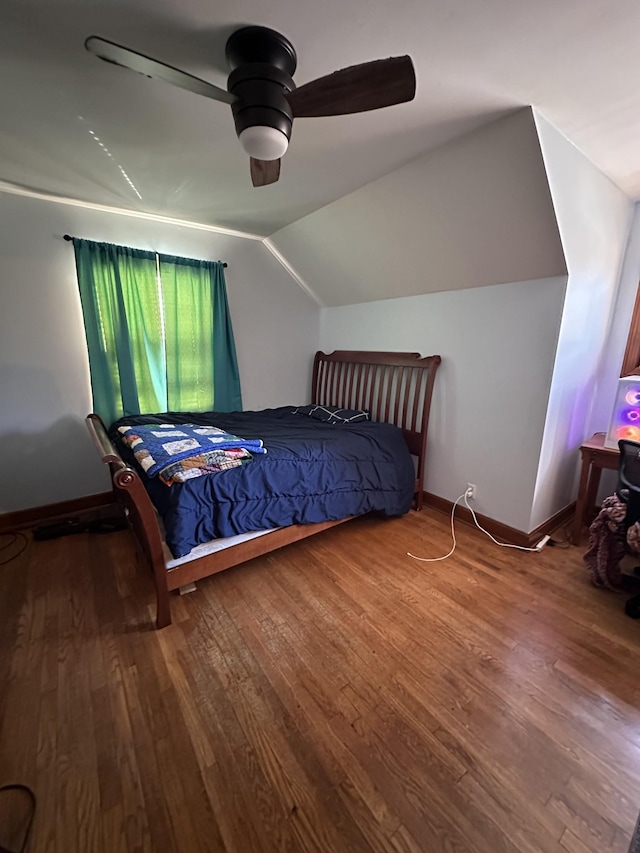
68,238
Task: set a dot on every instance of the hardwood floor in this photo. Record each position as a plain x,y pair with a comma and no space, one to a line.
335,696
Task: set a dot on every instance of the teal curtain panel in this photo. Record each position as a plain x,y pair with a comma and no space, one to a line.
158,330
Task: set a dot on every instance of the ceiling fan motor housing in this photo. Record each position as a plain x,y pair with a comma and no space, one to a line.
262,63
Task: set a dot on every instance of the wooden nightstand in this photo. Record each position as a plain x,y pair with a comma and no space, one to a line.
595,457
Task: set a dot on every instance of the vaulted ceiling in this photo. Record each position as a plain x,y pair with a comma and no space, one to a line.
77,127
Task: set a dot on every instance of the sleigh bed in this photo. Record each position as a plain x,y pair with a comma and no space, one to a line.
393,388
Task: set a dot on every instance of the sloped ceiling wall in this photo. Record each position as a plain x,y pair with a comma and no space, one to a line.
475,212
594,218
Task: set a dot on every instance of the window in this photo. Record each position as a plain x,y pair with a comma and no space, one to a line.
158,332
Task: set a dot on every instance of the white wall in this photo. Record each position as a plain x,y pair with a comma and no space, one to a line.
474,212
593,218
611,361
45,453
613,351
490,397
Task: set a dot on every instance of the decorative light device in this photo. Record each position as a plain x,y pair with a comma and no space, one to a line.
262,63
263,142
625,418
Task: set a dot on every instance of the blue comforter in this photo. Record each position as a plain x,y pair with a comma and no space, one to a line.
312,472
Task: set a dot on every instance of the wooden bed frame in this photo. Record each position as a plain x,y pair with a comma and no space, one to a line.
395,387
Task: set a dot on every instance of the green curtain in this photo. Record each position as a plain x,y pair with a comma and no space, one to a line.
202,368
158,332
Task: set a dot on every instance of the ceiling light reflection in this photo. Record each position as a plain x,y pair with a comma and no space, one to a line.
110,155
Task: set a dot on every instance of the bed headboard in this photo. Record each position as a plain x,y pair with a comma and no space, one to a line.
395,387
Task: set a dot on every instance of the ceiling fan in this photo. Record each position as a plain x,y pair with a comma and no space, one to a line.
262,95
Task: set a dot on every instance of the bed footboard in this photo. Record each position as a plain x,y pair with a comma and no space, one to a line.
132,496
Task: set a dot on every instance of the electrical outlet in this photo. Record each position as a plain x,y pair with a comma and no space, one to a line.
471,492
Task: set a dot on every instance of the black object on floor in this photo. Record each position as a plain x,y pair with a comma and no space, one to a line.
74,525
632,608
634,846
108,525
17,810
61,528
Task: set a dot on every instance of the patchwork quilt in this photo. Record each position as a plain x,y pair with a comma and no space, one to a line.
205,463
179,452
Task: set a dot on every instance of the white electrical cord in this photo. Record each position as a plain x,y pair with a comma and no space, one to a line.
453,534
463,496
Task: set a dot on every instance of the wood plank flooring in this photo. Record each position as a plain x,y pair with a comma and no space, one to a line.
335,696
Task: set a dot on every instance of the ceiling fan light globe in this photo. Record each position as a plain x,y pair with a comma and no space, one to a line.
263,143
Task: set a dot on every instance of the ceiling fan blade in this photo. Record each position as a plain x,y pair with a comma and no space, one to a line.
264,172
118,55
369,86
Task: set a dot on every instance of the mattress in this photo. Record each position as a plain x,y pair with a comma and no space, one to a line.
312,472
